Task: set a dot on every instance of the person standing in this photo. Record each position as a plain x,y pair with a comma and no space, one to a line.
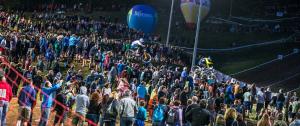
268,97
295,108
198,115
82,102
247,102
141,114
141,91
280,100
264,121
128,108
159,113
26,101
47,102
61,109
192,106
5,98
94,109
72,45
230,116
296,122
260,102
109,110
280,121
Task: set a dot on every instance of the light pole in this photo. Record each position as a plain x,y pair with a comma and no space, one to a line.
197,36
170,22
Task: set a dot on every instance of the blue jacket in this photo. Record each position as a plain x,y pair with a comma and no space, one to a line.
66,41
49,54
27,96
48,96
142,114
184,74
73,41
141,91
43,43
120,68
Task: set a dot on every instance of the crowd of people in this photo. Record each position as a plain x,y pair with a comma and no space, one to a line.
88,71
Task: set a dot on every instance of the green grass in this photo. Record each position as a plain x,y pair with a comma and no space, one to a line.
231,62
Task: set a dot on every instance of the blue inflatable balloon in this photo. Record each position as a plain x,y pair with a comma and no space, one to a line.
142,18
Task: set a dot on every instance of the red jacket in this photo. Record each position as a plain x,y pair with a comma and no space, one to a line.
5,91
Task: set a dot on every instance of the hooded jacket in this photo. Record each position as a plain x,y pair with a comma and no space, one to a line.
48,96
82,101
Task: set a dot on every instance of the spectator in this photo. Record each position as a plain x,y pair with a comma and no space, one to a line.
141,91
110,109
174,116
4,99
47,101
26,101
94,109
260,101
199,115
141,114
239,121
247,102
220,120
229,94
295,108
296,122
128,108
279,121
280,100
106,89
60,106
218,102
152,101
82,103
229,116
159,113
184,96
264,121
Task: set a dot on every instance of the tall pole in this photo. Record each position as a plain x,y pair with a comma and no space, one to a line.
197,36
170,22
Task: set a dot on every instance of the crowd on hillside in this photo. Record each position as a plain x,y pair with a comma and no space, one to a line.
125,83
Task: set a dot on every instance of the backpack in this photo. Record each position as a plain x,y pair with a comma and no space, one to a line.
69,100
140,115
158,114
63,100
110,110
173,116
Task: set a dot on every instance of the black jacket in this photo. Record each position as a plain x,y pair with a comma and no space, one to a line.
198,116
